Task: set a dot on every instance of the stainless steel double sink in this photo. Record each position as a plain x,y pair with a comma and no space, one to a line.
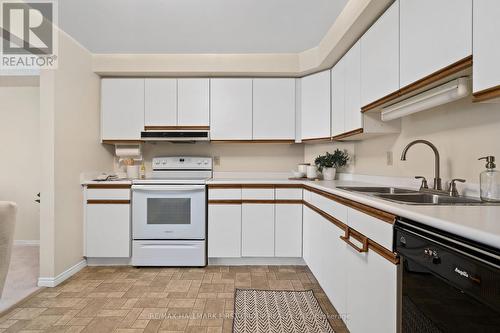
413,197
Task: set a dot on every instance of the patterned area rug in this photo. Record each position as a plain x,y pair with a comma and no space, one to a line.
278,311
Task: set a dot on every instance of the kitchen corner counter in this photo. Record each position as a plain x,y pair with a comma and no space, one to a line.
477,223
107,182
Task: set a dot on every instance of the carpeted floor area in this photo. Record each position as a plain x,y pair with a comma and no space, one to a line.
22,276
127,299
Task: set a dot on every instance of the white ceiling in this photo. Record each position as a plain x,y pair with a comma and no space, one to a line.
198,26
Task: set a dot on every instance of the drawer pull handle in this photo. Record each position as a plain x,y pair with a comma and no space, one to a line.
346,238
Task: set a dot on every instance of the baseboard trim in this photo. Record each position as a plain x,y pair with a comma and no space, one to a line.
27,242
256,261
109,262
52,282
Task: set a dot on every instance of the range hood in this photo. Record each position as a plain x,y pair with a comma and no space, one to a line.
443,94
189,136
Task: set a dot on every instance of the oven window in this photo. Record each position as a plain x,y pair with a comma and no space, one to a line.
169,211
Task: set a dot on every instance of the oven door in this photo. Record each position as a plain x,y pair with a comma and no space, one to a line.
168,211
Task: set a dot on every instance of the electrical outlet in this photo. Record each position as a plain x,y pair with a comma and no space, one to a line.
389,158
216,160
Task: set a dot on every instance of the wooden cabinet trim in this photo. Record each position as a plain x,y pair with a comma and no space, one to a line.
108,186
257,186
289,186
438,75
288,201
170,128
360,237
108,202
117,142
379,214
486,94
221,186
372,245
314,140
347,134
429,79
255,141
257,201
224,202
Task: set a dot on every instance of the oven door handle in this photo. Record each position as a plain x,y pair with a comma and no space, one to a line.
168,188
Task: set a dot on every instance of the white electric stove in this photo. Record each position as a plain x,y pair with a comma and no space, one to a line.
169,213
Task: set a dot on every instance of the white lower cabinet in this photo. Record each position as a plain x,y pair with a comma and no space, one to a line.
257,230
107,230
288,230
224,231
362,287
371,293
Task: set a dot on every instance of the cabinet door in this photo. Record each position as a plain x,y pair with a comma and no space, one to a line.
288,235
273,109
107,224
193,102
433,35
334,264
338,98
161,102
380,57
231,109
486,70
371,293
312,249
353,116
224,231
257,230
122,109
315,105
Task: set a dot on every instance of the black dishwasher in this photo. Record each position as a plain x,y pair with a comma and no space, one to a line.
449,284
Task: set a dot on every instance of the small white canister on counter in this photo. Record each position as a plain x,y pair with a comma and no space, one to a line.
312,172
133,171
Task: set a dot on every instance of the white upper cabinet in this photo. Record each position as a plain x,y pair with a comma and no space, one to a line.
315,105
346,93
160,105
193,98
486,68
433,35
338,98
353,116
380,57
122,109
274,109
231,109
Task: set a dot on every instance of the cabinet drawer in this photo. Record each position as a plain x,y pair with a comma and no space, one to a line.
224,194
329,206
108,194
257,193
373,228
288,194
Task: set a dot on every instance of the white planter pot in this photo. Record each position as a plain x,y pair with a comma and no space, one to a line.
329,173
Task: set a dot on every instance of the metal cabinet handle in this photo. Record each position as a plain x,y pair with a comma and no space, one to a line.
364,241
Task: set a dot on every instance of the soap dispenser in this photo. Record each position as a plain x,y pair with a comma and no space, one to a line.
489,181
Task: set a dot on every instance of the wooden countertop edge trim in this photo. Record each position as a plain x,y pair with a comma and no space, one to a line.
429,79
255,201
256,186
347,134
224,202
486,94
115,142
108,186
107,202
379,214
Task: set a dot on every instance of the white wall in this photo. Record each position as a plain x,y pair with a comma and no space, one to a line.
70,127
234,156
462,131
20,154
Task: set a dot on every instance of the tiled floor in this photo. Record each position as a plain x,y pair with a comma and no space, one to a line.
22,276
127,299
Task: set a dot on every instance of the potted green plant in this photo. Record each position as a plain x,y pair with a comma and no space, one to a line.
329,163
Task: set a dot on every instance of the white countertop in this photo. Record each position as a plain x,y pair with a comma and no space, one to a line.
477,223
118,182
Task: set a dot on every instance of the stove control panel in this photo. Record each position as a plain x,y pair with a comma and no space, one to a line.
182,163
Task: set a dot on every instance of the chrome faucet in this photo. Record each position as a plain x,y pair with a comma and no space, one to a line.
437,180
